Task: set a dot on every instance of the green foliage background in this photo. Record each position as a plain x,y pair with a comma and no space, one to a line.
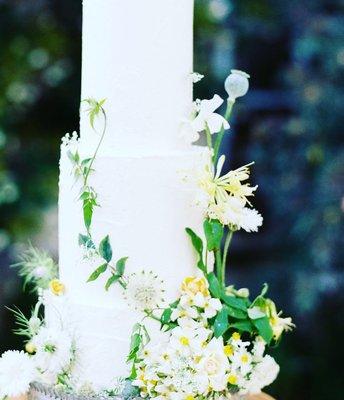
291,124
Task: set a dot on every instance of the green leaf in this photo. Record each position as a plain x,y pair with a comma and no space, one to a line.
198,246
113,279
96,273
86,161
213,230
243,326
86,241
120,265
235,302
88,213
105,249
264,328
214,285
221,323
236,313
166,316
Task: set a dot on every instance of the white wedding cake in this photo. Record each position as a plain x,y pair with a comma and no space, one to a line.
139,305
142,67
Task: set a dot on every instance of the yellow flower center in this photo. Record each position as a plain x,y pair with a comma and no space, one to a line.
184,341
244,358
228,350
189,397
232,379
236,336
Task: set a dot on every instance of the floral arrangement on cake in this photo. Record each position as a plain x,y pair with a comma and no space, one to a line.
213,338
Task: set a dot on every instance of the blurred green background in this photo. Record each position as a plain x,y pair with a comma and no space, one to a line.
291,124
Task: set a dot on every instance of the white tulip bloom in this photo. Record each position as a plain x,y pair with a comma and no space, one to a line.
237,84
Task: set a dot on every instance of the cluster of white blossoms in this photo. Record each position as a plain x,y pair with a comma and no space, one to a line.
49,356
224,197
189,363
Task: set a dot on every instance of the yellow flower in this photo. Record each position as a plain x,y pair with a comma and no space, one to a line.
228,350
278,324
189,397
57,287
236,336
30,348
192,285
232,379
218,187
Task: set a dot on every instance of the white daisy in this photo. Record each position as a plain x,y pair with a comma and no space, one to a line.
54,353
144,291
17,371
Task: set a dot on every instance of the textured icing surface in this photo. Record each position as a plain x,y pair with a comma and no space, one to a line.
138,55
145,207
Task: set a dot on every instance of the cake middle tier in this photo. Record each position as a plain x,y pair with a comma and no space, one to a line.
145,207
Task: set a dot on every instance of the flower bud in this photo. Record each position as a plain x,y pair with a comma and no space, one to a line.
237,84
30,348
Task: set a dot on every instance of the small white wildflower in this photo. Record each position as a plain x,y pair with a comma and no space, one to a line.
196,77
144,291
70,140
233,213
17,371
237,84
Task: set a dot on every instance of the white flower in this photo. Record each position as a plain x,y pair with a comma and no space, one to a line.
144,291
54,352
207,117
203,116
186,311
232,212
210,305
215,364
258,348
196,77
17,371
237,84
263,374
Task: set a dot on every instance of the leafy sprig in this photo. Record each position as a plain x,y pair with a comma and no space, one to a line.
88,196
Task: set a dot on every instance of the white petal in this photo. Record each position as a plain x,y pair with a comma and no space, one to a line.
216,122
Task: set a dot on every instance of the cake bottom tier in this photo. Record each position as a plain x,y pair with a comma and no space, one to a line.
102,336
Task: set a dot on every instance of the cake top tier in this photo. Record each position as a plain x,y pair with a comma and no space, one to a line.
138,55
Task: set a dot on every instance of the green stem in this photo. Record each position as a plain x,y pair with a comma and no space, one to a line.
225,252
218,264
97,149
221,134
209,140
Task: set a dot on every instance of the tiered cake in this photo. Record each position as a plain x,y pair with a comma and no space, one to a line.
125,212
142,67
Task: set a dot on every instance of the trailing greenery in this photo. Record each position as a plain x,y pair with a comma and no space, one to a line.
82,169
